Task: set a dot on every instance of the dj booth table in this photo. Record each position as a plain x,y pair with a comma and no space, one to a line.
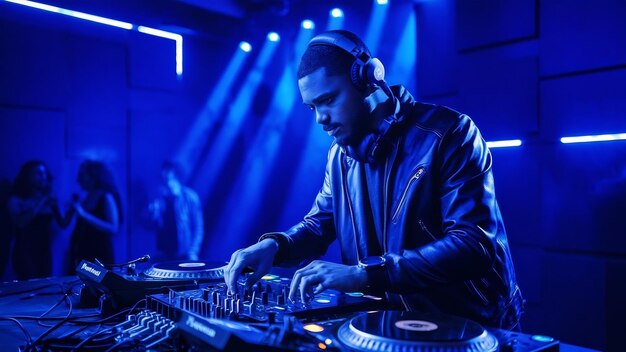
50,310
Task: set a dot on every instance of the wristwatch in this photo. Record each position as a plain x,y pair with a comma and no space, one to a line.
372,263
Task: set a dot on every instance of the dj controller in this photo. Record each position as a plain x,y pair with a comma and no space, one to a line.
188,308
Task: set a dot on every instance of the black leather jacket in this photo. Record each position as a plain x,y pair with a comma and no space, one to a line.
429,207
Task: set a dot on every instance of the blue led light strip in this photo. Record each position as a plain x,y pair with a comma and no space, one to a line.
109,22
594,138
173,36
507,143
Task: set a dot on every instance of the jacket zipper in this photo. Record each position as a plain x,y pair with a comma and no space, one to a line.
418,173
385,211
347,195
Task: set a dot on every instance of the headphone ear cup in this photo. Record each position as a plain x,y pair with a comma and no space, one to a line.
374,71
356,75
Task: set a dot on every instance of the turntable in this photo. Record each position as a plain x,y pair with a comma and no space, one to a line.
124,286
186,270
414,332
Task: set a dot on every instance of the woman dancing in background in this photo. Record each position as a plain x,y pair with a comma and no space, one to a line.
98,215
33,211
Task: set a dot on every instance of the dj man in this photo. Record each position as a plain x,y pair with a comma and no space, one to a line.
408,192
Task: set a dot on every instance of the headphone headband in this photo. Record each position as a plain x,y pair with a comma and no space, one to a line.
334,39
365,69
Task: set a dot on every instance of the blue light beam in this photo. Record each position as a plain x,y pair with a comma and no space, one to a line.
224,141
189,152
375,29
261,158
263,153
404,59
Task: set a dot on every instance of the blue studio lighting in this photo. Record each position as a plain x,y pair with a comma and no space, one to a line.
223,143
82,15
168,35
190,150
273,37
335,20
336,12
375,29
504,144
114,23
308,24
594,138
245,46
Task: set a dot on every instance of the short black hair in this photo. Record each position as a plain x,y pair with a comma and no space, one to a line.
171,166
335,60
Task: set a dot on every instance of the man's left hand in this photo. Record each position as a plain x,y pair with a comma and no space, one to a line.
321,275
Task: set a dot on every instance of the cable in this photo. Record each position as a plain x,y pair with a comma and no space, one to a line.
82,343
33,289
29,338
50,310
51,329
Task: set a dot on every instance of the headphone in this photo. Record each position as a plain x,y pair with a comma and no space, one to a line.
365,70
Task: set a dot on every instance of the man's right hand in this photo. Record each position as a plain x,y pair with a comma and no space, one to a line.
258,257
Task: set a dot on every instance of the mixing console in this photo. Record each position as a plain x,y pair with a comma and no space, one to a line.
266,301
191,310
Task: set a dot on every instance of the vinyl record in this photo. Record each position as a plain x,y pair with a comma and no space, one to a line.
186,270
412,331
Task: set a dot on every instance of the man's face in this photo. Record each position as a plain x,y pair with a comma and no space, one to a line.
338,106
172,184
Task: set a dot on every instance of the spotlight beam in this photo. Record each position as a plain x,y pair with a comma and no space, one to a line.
263,153
189,152
378,15
225,140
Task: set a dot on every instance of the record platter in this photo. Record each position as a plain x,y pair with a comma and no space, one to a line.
186,270
414,332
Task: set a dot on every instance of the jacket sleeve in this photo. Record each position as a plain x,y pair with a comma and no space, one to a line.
469,213
310,238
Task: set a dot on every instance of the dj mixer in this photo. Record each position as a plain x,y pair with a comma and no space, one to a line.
188,308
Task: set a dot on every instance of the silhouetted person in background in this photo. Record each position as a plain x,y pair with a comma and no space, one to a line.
33,211
98,215
177,215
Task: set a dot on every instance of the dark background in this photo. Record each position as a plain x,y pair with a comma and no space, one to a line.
532,70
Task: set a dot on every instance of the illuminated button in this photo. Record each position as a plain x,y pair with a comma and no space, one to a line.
269,277
313,328
542,338
328,341
322,300
354,294
321,346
